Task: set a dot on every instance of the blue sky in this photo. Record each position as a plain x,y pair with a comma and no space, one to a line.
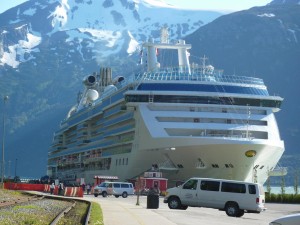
219,5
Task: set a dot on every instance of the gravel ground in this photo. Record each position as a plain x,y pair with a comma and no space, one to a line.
38,212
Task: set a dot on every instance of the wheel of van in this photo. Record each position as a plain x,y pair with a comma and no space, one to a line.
183,207
96,195
232,209
241,213
104,194
124,194
174,203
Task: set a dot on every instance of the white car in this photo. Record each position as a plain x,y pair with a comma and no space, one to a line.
293,219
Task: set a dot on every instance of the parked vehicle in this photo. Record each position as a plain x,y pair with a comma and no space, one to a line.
234,197
101,189
293,219
114,188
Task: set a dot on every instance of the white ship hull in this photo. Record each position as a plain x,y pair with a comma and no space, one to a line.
190,121
182,157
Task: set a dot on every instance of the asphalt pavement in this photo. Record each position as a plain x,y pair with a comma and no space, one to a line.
126,211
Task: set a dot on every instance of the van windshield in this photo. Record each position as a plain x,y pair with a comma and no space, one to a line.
103,184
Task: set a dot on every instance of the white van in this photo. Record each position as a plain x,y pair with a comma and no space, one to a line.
114,188
234,197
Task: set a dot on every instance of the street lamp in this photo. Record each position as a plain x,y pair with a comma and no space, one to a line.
5,99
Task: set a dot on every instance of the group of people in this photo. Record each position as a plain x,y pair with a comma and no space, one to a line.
87,188
60,188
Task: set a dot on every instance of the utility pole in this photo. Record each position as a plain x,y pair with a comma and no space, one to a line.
5,99
16,168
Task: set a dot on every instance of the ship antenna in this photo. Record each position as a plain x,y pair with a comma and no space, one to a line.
203,59
164,35
248,118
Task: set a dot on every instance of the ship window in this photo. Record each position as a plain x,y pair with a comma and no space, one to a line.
180,165
261,167
123,161
116,162
226,165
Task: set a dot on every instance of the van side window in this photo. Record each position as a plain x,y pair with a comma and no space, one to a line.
116,185
233,187
207,185
252,189
190,184
124,186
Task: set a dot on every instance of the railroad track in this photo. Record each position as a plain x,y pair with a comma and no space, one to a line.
15,201
49,209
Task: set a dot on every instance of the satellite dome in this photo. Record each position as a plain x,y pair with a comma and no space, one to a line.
92,95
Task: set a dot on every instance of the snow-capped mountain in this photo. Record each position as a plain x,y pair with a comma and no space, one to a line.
47,47
90,27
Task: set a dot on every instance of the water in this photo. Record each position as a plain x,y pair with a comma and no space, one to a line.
277,190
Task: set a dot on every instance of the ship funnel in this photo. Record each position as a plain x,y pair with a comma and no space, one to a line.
89,81
105,76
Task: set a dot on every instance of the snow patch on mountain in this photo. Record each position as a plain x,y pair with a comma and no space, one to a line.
100,27
154,3
293,32
17,53
133,44
60,16
30,12
103,35
266,15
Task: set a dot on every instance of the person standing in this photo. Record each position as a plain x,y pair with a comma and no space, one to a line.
61,189
83,187
88,189
52,186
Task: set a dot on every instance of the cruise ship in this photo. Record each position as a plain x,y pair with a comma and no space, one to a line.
188,120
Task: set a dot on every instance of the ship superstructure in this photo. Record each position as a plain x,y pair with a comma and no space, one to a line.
189,121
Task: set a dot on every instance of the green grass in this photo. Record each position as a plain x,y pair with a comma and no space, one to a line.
96,216
76,216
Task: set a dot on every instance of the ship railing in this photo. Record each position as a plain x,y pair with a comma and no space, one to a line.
92,159
68,162
176,74
229,136
278,171
196,75
71,170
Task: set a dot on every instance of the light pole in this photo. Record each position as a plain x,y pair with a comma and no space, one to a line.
16,168
5,99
